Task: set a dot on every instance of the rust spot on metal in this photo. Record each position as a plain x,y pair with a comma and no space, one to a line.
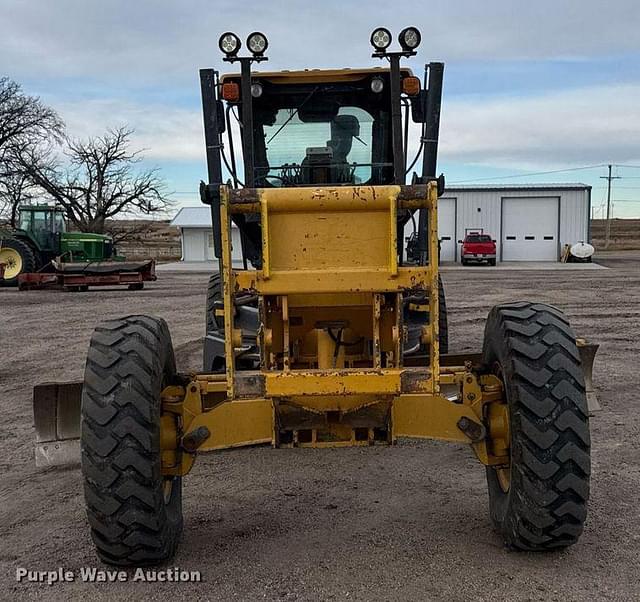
414,380
243,196
412,192
249,384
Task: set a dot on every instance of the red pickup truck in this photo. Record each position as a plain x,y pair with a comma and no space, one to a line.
478,247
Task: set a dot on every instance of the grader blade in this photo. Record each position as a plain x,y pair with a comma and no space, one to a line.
56,416
587,356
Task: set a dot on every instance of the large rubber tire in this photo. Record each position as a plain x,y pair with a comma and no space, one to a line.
415,320
443,321
135,514
532,347
214,294
25,255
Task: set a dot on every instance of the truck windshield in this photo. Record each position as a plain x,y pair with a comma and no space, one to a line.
478,238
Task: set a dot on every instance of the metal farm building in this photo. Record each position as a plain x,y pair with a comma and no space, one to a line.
529,222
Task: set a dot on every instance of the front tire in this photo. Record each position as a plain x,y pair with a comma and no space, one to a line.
540,501
134,512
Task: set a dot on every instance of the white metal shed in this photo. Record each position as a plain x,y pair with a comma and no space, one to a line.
196,235
530,222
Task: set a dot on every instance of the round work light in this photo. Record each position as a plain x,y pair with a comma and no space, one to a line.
377,85
257,43
256,90
380,39
409,38
229,43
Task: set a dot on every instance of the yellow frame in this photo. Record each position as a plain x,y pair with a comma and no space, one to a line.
237,409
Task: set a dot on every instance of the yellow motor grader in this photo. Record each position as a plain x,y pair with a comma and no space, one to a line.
327,336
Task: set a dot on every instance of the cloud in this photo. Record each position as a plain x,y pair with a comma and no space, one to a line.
154,42
163,132
577,127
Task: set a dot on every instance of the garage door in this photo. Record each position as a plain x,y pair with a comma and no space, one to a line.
447,229
530,229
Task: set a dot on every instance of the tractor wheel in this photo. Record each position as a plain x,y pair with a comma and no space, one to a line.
539,501
134,512
18,258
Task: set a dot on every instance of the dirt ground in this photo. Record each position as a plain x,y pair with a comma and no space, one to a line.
385,523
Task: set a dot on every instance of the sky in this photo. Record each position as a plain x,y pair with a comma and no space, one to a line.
529,87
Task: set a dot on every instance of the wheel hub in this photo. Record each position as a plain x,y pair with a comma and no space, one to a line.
500,437
13,262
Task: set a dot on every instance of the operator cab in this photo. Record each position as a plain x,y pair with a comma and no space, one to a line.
318,126
44,222
34,218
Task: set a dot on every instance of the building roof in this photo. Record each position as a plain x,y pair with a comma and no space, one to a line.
483,187
193,217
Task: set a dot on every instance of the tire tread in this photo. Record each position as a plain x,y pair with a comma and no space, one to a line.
131,523
547,505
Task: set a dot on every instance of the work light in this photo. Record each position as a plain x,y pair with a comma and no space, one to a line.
377,85
380,39
257,43
229,43
256,90
409,38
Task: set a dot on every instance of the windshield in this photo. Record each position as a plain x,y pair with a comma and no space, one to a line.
342,146
322,134
33,221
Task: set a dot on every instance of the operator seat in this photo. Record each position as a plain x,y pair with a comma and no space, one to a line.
329,165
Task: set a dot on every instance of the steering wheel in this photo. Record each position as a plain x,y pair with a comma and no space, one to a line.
271,177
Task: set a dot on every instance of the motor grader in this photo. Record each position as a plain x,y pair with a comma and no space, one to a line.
326,337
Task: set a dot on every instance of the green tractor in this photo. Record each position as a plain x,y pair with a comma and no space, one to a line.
40,253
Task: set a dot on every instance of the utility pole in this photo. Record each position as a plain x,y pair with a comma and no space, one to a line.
607,226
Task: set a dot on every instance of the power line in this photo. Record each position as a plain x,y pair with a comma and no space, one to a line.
617,188
528,174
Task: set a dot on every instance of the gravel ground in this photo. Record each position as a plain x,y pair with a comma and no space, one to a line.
397,523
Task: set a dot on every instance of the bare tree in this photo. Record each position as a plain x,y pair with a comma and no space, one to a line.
15,189
26,124
99,180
